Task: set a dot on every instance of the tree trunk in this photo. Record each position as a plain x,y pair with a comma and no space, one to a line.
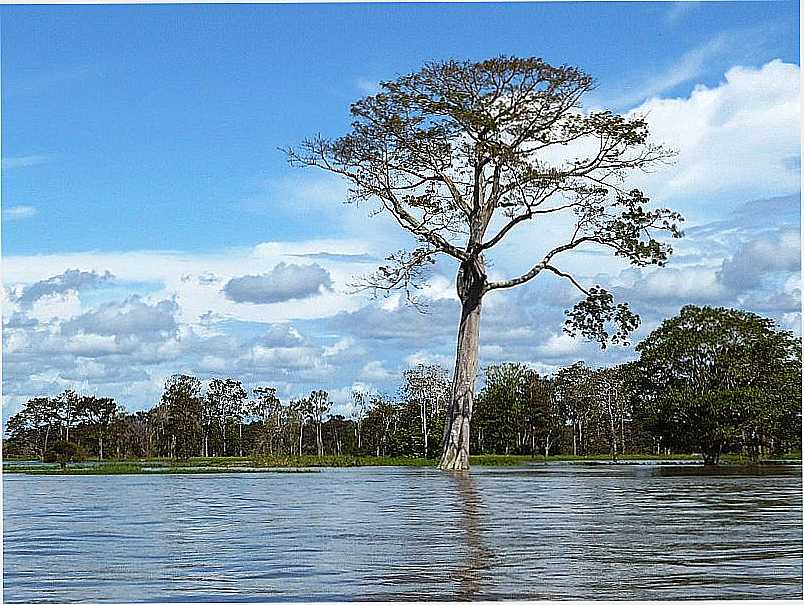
712,455
47,436
455,452
240,438
424,425
100,446
612,432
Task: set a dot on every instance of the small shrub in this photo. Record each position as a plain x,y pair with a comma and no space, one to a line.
64,452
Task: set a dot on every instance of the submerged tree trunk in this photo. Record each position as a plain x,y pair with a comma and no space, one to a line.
471,285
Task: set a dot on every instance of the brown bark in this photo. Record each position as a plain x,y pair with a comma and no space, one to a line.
471,286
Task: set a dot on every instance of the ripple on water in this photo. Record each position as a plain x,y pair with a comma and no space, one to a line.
548,532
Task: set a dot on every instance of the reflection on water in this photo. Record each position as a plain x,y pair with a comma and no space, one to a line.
475,572
544,532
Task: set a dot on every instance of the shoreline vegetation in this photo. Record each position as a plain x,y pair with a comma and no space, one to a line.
312,464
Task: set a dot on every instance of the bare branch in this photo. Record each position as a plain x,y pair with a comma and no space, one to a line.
538,267
567,276
405,271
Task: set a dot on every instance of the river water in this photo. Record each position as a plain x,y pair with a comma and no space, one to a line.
541,532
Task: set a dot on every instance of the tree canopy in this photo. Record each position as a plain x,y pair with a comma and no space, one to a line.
712,376
444,149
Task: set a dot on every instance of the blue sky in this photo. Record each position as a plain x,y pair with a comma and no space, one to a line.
143,141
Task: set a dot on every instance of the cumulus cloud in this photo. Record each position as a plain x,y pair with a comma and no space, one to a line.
71,280
755,259
281,335
694,284
736,138
132,317
285,282
747,258
375,371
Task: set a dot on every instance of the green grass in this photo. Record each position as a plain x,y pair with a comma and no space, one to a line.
338,461
516,460
307,463
137,468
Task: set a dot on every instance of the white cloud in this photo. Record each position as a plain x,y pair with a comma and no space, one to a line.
698,284
689,66
559,345
375,371
368,87
22,161
735,139
16,213
679,10
61,305
282,283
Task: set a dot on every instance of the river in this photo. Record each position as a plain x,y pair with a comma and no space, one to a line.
540,532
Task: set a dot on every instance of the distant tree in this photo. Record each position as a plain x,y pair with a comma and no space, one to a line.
64,409
181,414
576,401
98,413
226,399
64,452
319,405
300,411
268,408
338,430
359,409
711,375
502,401
458,148
426,388
541,412
610,392
138,432
382,420
33,426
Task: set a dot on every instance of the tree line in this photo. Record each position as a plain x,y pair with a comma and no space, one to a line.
706,381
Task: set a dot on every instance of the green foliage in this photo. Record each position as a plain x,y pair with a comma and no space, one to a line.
178,416
64,452
708,380
450,147
517,411
714,377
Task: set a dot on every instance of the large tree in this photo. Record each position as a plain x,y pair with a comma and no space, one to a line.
226,397
714,377
98,413
180,415
462,153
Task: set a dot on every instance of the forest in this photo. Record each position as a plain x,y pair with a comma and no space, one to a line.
708,381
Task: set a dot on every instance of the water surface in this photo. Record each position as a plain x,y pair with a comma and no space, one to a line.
542,532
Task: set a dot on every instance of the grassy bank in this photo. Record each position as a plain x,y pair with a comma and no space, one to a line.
234,464
153,467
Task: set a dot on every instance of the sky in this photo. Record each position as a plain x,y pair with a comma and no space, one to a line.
151,224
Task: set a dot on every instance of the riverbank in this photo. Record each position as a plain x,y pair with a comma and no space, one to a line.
301,464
